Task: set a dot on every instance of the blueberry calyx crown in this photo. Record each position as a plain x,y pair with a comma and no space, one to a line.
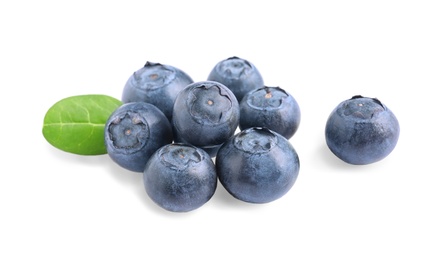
377,101
255,140
362,107
209,102
128,132
267,98
153,76
235,67
151,64
179,156
238,58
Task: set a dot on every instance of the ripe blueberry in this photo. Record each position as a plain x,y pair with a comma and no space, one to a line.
156,84
180,177
239,75
134,132
361,130
205,114
257,165
270,107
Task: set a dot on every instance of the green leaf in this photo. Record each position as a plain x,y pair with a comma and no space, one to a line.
76,124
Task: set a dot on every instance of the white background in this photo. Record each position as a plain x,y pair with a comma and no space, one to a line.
56,205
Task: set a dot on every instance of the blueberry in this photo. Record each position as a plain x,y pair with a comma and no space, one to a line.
180,177
361,130
257,165
133,132
270,107
205,114
156,84
239,75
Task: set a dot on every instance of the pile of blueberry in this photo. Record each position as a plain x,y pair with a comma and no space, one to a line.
185,135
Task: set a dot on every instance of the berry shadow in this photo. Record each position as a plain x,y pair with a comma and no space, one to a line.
135,181
126,178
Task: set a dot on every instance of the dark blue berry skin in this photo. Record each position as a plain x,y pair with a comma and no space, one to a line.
270,107
257,165
134,132
157,84
180,177
361,130
205,114
239,75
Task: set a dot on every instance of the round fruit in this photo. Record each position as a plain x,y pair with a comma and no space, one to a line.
205,114
270,107
134,132
156,84
180,177
257,165
239,75
361,130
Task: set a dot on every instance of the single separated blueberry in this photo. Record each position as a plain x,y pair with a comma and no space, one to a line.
257,165
180,177
239,75
157,84
205,114
134,132
361,130
270,107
